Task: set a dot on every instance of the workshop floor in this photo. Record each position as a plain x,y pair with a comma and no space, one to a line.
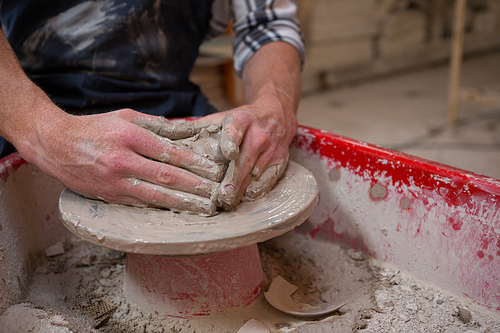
408,112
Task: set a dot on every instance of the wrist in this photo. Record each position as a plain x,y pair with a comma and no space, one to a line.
32,118
277,108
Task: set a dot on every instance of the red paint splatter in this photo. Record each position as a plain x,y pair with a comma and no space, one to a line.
459,187
455,224
326,231
10,163
184,296
487,239
257,290
202,313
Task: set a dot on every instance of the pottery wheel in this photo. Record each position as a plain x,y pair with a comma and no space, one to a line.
154,231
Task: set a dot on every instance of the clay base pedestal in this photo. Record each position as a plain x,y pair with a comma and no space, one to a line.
186,287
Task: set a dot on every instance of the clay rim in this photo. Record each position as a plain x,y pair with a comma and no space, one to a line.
162,232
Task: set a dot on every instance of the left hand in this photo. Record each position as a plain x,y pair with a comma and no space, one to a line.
255,137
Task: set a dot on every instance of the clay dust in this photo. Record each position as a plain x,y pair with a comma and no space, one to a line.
378,297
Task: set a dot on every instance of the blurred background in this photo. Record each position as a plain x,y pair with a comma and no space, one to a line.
379,71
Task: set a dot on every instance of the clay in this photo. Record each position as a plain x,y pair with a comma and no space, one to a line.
228,146
227,191
207,162
253,326
172,130
182,201
464,314
54,250
279,296
323,272
163,232
260,186
334,175
200,138
165,158
378,192
405,203
25,317
205,144
215,154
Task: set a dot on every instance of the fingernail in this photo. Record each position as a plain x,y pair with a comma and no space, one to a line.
229,148
228,194
230,189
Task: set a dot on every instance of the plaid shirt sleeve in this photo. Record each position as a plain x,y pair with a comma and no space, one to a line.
258,22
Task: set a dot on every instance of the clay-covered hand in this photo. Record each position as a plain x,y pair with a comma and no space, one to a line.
255,138
201,138
108,156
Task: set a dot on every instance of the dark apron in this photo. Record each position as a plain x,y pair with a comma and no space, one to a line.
98,56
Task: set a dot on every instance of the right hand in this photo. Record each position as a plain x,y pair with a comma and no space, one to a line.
108,156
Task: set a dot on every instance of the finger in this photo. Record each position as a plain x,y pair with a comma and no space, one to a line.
204,145
240,168
135,166
239,193
273,155
174,130
174,178
144,194
164,197
166,128
237,172
231,136
121,200
162,149
115,199
259,186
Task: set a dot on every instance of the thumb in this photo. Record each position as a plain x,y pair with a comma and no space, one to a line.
230,146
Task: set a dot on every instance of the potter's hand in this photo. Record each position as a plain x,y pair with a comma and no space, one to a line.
109,157
105,155
200,138
255,138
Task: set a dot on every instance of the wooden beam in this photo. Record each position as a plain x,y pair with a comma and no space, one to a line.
456,60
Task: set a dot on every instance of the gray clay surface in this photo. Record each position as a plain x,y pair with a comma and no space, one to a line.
163,232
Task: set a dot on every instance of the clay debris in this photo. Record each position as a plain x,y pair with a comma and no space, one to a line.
378,297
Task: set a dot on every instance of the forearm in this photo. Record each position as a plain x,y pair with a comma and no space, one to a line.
24,107
272,76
